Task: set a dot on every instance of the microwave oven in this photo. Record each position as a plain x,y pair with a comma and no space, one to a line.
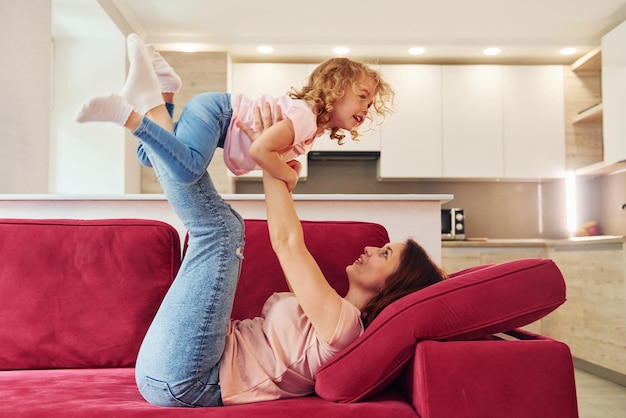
452,224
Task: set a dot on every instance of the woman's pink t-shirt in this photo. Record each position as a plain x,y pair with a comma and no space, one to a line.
237,145
276,355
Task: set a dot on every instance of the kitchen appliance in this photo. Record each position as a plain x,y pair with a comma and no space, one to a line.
452,224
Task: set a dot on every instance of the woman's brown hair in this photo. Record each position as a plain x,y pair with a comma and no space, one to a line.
415,271
329,81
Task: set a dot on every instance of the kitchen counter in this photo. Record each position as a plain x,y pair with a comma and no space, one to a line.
530,242
404,215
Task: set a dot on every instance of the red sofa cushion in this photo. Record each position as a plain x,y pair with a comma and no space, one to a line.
82,293
469,305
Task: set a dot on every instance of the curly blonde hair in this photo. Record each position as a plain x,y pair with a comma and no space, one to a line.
328,83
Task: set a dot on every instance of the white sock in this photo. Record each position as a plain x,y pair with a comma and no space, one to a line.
112,108
169,81
142,89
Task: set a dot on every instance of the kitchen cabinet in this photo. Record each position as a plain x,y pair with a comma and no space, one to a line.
593,320
257,79
614,94
412,146
534,132
503,122
607,111
472,121
368,140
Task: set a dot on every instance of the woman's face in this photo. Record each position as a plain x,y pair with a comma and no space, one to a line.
375,265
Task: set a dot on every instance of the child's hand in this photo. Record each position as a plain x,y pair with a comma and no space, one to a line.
296,166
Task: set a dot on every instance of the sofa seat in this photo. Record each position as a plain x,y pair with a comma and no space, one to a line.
112,393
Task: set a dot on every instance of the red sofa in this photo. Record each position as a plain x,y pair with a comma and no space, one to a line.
78,295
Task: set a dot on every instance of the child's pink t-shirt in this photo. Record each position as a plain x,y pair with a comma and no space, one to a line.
276,355
237,145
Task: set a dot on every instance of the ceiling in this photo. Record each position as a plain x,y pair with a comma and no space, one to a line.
451,31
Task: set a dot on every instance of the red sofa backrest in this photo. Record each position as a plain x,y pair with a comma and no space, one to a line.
81,293
334,245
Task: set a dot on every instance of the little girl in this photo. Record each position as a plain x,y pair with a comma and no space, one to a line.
338,96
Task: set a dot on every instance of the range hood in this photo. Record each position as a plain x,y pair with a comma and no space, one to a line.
343,155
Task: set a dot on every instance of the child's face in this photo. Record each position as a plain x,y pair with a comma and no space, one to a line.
351,110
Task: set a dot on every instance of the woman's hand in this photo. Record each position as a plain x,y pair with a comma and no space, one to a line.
262,120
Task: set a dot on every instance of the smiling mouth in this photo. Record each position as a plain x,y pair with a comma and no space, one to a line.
359,119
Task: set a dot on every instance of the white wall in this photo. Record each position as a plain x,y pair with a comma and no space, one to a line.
43,83
25,79
88,157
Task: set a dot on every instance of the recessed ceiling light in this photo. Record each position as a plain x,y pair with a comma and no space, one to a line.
188,48
341,50
416,50
568,51
265,49
492,51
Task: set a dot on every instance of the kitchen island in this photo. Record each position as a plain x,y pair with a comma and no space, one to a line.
404,215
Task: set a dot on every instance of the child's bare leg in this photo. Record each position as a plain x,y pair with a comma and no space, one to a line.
161,116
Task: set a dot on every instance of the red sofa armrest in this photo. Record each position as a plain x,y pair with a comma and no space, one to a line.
492,377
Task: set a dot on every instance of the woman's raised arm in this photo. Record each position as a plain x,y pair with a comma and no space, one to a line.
319,301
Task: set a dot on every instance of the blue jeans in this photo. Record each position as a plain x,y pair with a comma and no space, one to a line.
178,362
187,152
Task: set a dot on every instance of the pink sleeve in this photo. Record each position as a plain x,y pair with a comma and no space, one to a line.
349,326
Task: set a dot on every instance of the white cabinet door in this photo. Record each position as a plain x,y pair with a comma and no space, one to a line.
411,136
256,79
369,136
534,129
614,94
472,121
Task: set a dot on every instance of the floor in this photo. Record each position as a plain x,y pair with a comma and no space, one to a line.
599,398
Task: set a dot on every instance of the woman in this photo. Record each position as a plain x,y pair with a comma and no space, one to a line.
194,355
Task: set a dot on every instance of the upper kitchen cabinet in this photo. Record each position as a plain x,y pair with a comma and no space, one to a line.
257,79
614,94
472,121
368,140
411,145
534,132
503,122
